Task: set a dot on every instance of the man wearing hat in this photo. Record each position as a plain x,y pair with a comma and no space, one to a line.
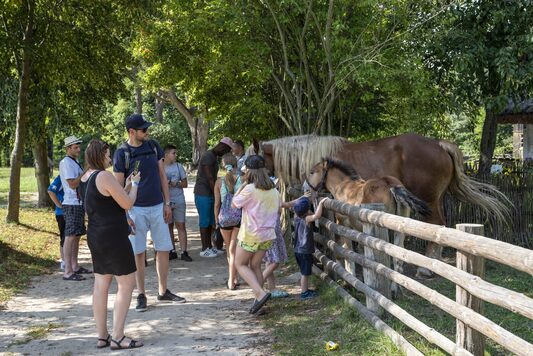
204,196
70,172
152,206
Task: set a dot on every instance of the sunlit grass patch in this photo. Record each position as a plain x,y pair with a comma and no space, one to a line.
26,249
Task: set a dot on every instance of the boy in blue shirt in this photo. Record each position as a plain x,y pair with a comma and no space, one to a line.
304,245
55,191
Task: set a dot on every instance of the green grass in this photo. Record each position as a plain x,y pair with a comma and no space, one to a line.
26,249
329,318
28,183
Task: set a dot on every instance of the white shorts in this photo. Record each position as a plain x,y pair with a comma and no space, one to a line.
149,218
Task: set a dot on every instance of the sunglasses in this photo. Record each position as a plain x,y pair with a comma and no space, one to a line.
143,130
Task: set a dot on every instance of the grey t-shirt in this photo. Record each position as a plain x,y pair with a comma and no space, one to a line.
175,172
303,236
207,162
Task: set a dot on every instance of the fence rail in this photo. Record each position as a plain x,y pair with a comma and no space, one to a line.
467,284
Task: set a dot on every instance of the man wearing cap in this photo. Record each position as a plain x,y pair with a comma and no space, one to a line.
204,196
70,172
152,206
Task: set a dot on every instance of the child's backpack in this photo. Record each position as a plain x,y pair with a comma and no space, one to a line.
228,216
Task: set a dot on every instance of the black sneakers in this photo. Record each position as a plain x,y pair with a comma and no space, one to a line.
185,256
141,303
170,297
172,255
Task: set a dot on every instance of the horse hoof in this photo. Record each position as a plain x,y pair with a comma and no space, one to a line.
423,272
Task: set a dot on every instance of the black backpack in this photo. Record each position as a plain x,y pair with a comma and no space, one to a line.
128,156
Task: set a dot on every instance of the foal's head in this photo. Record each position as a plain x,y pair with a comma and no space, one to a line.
318,175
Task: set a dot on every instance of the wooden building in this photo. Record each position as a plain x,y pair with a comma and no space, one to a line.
521,116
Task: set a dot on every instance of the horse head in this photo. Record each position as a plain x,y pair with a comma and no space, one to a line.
316,178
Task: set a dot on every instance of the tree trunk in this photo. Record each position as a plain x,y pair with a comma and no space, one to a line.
159,105
197,124
199,134
13,204
40,155
488,143
138,99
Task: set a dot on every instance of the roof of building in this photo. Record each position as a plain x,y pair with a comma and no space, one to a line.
519,113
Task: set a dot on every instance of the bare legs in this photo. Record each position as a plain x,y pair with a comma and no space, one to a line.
182,235
248,265
122,303
70,252
161,268
268,275
230,240
205,236
304,283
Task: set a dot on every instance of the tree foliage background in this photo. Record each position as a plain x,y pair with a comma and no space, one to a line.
258,69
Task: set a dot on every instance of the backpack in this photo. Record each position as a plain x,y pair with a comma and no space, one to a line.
128,155
228,216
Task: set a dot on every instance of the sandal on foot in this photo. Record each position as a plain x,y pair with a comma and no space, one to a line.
258,304
106,341
132,345
74,277
83,270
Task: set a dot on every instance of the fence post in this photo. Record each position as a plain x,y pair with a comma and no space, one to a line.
372,279
467,337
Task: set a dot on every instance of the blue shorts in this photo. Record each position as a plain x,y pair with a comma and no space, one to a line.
206,213
305,262
149,218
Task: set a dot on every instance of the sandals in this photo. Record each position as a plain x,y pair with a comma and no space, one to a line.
258,304
83,270
74,277
106,341
132,345
234,287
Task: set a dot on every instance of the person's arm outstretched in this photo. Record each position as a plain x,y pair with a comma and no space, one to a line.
290,204
318,212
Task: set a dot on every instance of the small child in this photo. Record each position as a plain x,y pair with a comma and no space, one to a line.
304,246
55,191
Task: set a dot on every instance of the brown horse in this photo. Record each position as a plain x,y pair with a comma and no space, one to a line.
343,182
427,167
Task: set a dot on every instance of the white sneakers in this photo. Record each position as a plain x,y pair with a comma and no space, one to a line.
208,252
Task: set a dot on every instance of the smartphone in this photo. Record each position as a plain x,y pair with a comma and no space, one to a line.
136,167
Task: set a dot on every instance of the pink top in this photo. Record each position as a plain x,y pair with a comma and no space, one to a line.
260,210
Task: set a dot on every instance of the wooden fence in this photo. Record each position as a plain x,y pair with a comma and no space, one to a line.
379,278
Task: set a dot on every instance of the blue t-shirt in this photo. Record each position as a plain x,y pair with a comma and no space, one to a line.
149,193
303,236
57,188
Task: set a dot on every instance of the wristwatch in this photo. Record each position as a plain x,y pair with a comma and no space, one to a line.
167,203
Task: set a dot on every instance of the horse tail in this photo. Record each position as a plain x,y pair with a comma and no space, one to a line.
404,197
486,196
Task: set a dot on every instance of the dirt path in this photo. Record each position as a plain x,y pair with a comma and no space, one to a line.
214,319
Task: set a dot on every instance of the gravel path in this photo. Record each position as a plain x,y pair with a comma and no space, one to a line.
214,319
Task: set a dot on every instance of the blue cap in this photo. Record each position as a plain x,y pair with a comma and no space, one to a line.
137,122
301,206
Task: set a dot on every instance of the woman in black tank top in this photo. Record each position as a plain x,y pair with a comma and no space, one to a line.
106,203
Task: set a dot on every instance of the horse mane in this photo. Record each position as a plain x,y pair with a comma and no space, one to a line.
343,167
294,156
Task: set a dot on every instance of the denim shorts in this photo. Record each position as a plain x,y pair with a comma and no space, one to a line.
305,262
149,218
206,210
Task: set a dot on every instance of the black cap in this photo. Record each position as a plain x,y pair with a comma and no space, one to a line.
254,162
137,122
